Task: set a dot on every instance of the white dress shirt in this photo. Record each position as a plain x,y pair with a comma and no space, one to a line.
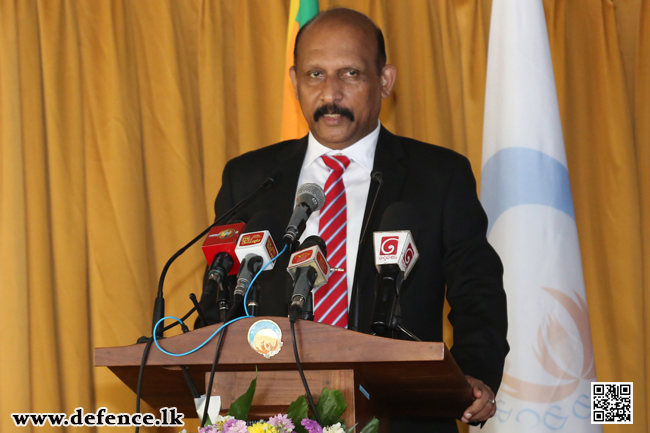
356,179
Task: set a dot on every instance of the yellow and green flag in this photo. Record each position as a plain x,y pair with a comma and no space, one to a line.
293,122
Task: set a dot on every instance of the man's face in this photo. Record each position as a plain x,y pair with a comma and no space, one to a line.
337,82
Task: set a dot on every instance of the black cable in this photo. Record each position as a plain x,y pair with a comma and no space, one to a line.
409,333
145,353
190,382
176,323
217,353
302,374
208,391
198,309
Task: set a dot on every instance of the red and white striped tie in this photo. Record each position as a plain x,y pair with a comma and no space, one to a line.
331,300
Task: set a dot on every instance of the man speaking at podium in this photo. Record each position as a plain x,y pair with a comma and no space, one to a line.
340,77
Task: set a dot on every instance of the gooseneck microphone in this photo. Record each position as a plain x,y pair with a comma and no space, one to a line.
395,256
376,182
309,269
310,198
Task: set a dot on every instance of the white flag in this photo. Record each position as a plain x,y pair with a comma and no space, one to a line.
526,193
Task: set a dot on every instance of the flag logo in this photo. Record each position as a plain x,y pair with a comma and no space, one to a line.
526,193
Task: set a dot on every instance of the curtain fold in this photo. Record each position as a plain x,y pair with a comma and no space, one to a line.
118,116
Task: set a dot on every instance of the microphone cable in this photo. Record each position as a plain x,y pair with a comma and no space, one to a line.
302,373
145,354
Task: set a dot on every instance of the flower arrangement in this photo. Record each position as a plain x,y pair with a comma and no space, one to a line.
330,407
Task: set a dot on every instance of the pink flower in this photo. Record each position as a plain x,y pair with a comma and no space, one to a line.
235,426
311,426
282,423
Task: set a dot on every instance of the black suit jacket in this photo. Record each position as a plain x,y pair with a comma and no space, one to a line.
454,252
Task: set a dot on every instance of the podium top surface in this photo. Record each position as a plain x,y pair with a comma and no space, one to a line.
317,344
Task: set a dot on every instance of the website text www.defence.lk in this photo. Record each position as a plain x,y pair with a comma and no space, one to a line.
169,417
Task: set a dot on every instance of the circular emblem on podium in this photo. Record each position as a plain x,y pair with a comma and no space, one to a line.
265,337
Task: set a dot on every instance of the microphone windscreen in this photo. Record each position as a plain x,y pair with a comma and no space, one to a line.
401,216
266,220
312,195
314,240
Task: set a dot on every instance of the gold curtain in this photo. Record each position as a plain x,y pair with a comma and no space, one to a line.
117,117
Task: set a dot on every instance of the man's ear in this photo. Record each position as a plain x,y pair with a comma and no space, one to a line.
388,76
294,80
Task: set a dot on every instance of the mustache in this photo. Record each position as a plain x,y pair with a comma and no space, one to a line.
332,109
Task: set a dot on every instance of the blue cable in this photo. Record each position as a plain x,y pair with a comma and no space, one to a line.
155,340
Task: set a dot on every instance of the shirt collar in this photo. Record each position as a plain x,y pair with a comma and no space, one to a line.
362,152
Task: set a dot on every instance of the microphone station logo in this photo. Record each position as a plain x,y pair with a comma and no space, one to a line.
270,248
322,263
251,239
388,246
225,234
408,255
301,257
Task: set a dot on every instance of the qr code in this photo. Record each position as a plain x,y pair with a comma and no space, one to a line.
611,402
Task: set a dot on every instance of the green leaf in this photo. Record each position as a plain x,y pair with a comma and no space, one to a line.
298,411
372,426
240,408
351,429
331,406
208,421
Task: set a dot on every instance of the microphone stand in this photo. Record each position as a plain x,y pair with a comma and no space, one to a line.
252,301
308,309
355,301
224,300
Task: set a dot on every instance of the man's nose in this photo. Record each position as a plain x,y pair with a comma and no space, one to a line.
332,89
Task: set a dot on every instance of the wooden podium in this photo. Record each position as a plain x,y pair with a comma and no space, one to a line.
378,376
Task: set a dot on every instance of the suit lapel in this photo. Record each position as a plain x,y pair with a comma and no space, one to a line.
290,160
388,161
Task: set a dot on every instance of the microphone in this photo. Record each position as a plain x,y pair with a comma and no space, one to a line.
310,198
395,256
309,269
219,250
255,248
